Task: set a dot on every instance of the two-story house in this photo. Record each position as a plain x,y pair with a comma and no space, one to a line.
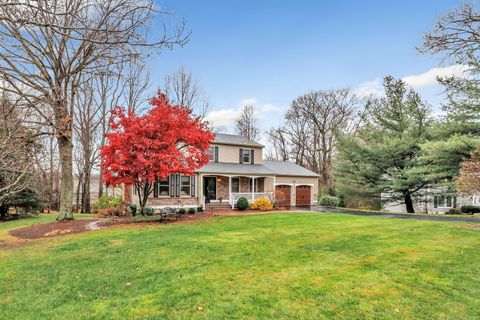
236,169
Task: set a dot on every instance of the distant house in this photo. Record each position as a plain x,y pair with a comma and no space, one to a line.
236,170
94,181
432,200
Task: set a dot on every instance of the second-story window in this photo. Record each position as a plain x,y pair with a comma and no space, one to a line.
212,154
246,157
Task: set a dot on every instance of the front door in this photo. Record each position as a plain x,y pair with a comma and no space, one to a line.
210,188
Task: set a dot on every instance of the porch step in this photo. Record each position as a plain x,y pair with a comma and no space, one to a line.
217,206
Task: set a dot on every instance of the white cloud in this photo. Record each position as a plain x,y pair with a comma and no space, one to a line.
418,81
247,102
429,78
225,117
369,88
267,108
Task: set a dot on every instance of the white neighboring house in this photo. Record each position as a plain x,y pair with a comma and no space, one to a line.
431,200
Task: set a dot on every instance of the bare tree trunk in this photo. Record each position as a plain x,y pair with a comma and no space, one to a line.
79,186
409,203
66,184
100,183
86,208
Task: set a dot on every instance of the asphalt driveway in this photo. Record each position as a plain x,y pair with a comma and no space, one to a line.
430,217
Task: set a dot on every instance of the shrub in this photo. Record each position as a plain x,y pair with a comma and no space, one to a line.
191,210
200,209
148,211
262,204
27,199
329,201
132,207
276,197
341,201
181,211
106,201
242,204
453,211
469,209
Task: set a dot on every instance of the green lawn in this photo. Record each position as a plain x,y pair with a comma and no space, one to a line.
278,266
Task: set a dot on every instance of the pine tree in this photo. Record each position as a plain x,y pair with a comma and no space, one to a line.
384,155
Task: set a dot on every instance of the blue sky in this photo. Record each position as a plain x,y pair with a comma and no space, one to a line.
270,52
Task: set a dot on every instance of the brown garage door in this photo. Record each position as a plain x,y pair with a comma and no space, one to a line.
303,196
285,192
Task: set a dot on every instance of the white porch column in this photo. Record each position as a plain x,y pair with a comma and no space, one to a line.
253,189
200,191
230,191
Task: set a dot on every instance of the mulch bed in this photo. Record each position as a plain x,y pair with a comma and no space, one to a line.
53,229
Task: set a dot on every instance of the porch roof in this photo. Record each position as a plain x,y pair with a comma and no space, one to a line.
269,168
235,169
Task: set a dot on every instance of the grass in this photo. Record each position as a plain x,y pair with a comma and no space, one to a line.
463,215
277,266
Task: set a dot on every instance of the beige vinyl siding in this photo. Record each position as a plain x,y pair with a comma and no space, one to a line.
268,187
296,181
230,154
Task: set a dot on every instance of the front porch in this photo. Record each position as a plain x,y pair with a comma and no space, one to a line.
229,188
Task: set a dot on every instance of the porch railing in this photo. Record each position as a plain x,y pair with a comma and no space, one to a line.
247,195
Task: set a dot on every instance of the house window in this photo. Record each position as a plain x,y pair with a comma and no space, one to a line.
246,156
163,188
476,200
444,201
235,185
185,186
211,154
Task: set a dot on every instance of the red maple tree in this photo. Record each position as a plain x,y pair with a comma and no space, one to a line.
143,148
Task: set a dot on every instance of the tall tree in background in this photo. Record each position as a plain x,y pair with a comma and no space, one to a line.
468,181
183,90
308,135
456,37
86,125
246,123
278,145
144,148
17,146
383,155
47,45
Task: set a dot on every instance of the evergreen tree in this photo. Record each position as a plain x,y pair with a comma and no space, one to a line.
455,138
384,154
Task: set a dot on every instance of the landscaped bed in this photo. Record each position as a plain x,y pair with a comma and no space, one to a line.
292,265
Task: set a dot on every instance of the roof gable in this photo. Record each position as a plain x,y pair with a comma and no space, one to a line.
233,139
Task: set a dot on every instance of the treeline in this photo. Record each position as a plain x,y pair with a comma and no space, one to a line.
63,67
393,144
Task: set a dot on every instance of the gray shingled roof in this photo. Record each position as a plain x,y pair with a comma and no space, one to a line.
223,138
284,168
236,168
269,167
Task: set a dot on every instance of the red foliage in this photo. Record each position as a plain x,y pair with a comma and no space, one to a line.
142,148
